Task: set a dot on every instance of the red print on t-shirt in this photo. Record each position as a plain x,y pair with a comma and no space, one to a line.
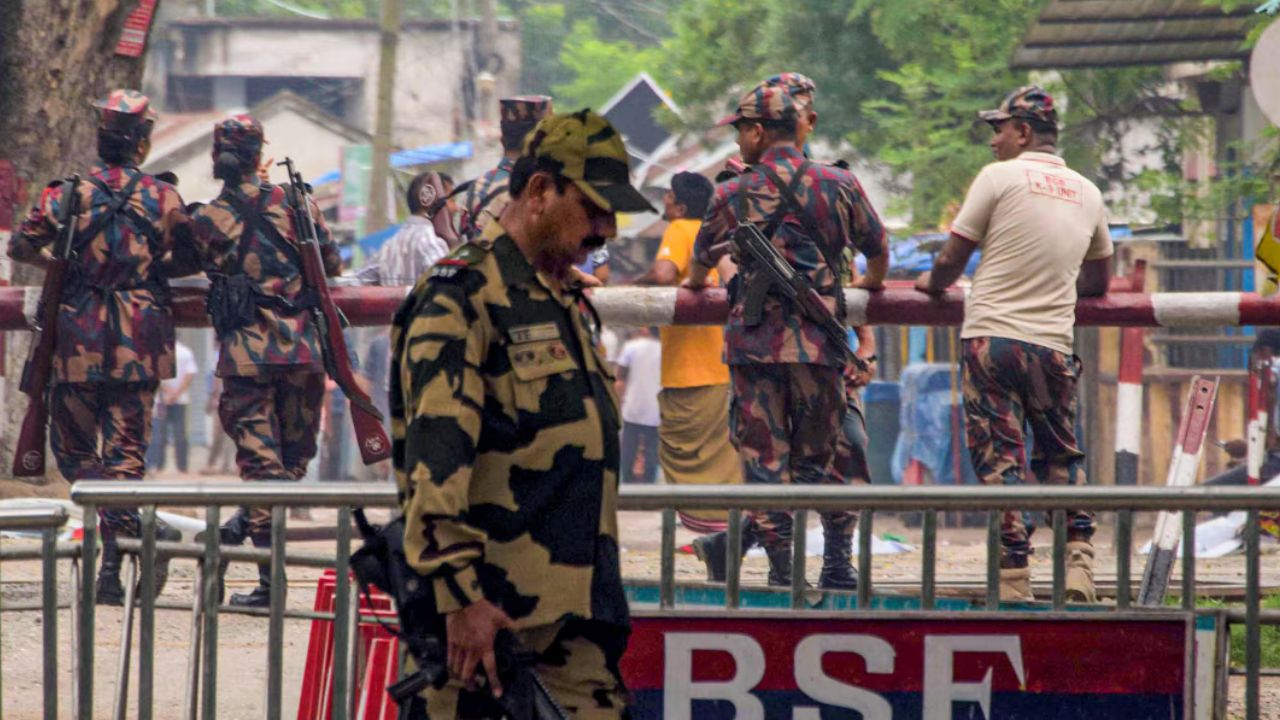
1058,188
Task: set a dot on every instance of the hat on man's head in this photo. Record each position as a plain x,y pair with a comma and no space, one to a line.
764,103
124,110
524,108
1029,102
585,148
240,132
801,87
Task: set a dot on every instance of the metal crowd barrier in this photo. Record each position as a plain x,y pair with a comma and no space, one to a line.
667,499
932,499
279,496
47,521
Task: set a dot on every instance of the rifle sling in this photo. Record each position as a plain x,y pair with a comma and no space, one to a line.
788,192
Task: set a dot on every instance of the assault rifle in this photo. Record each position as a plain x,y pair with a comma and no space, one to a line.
28,454
366,418
790,284
381,563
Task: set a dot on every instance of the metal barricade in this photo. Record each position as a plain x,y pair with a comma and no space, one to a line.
279,496
932,499
47,521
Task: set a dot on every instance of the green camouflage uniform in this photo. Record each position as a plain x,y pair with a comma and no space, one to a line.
505,433
487,197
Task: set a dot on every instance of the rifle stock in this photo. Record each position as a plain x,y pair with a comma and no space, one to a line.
365,418
28,454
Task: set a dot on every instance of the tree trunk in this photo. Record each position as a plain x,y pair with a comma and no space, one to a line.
56,58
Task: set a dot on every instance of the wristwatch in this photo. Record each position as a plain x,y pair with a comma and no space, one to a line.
869,358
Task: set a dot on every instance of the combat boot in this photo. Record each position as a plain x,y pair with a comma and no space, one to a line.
232,532
1080,572
261,595
1015,585
838,572
110,591
779,565
712,550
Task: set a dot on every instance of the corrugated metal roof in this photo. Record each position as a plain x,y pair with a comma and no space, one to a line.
1111,33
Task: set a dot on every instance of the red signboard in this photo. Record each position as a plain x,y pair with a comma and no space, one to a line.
806,666
133,38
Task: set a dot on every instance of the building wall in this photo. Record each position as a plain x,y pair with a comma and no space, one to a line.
432,61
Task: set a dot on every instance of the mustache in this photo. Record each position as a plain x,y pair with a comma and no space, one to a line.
593,242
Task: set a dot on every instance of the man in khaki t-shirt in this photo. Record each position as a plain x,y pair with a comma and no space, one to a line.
1042,231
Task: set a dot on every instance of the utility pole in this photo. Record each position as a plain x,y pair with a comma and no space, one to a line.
389,40
487,39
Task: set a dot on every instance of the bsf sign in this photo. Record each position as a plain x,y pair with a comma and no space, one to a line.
806,666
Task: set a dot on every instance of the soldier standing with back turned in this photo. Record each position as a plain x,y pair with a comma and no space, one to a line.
115,332
488,195
269,357
788,389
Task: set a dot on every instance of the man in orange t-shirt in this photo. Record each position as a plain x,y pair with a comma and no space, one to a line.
694,446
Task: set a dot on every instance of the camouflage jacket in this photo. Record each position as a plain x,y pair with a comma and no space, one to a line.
487,198
281,337
505,440
114,322
840,213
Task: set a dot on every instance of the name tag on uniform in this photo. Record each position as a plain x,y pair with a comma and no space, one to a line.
533,333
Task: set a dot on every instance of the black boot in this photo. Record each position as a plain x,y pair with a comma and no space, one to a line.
712,550
109,591
838,572
779,564
261,595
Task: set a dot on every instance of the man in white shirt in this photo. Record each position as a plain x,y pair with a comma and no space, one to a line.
416,246
170,423
638,384
1042,230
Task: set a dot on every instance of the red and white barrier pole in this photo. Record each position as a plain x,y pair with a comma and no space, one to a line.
1257,413
1129,390
677,306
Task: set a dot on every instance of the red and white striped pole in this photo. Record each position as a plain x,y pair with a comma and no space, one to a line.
1257,412
640,306
1129,391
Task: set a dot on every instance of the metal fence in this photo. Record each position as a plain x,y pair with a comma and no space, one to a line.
1124,501
47,522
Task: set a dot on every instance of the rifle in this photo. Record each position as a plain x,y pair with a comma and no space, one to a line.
366,418
791,285
28,454
381,563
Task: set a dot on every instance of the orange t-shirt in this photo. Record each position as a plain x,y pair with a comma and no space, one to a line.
692,355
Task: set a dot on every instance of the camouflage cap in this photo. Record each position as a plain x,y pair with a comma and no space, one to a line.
1030,102
801,87
764,103
238,132
124,110
587,149
524,108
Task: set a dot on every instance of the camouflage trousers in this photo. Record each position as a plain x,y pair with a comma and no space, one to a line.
578,662
100,431
850,464
1009,386
785,420
273,419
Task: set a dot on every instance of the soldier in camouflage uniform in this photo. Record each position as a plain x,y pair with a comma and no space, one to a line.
850,453
487,196
506,430
788,389
115,333
271,366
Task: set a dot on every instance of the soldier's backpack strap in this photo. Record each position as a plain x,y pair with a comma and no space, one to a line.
255,221
789,197
118,204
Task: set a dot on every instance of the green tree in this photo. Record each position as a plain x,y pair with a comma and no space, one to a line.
598,67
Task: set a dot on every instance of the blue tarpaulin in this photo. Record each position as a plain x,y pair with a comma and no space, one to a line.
905,255
424,155
926,419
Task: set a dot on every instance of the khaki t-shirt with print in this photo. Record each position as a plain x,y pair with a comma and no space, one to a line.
1035,221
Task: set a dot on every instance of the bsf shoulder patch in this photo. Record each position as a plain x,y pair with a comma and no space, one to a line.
447,268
